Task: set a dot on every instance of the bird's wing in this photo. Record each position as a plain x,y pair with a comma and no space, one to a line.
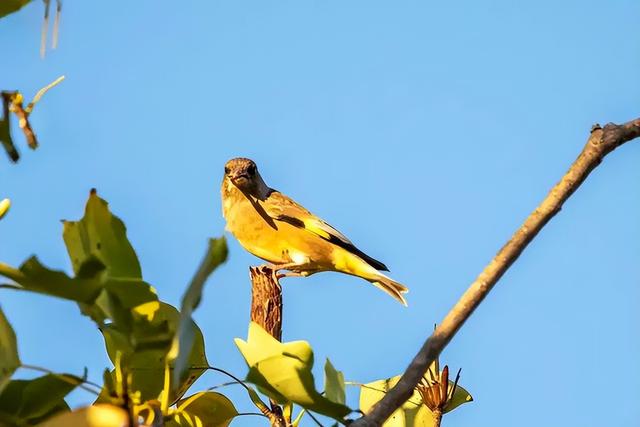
282,208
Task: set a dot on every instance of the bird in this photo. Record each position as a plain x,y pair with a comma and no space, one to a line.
274,227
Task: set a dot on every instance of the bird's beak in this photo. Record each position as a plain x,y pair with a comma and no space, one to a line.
239,179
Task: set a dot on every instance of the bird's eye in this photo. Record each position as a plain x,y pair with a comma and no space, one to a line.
251,169
227,170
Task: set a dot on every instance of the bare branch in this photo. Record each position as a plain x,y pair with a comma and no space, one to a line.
266,310
601,142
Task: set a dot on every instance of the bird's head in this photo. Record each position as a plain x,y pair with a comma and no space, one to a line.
243,173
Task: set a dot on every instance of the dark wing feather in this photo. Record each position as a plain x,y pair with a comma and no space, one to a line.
281,208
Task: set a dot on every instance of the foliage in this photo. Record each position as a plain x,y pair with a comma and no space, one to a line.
204,408
5,204
108,287
283,372
30,401
9,360
157,352
10,6
417,411
101,415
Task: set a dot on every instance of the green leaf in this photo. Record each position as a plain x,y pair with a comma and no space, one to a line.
98,245
283,372
101,235
30,401
37,278
333,383
460,396
144,355
216,255
119,299
100,415
412,413
9,6
99,297
9,360
203,409
183,340
5,204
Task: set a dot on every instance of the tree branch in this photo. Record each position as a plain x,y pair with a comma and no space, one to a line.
266,311
266,300
601,142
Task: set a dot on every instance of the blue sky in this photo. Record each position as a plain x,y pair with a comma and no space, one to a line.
425,131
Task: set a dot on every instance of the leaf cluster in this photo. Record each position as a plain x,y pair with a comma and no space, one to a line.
157,352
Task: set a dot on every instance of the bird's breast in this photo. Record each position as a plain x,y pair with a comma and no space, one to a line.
275,241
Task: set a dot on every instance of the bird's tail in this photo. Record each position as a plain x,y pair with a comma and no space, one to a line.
349,263
391,287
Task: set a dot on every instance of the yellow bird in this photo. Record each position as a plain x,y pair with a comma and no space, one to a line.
275,228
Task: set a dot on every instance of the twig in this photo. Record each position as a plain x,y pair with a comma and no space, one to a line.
601,142
5,127
41,92
12,102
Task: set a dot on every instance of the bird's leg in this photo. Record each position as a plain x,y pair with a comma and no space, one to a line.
291,266
285,266
289,274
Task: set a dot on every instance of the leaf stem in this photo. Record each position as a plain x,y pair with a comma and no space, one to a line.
65,377
11,273
215,387
314,419
252,393
41,92
242,414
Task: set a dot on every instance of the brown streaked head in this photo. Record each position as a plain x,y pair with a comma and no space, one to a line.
242,172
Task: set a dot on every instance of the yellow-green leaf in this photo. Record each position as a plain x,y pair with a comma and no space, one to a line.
9,360
216,255
102,235
412,413
459,397
186,332
333,383
37,278
283,372
145,355
10,6
5,204
207,408
101,415
31,401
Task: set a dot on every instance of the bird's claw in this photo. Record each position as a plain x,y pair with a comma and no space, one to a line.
289,274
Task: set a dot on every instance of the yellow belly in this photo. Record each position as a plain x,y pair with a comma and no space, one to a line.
276,241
